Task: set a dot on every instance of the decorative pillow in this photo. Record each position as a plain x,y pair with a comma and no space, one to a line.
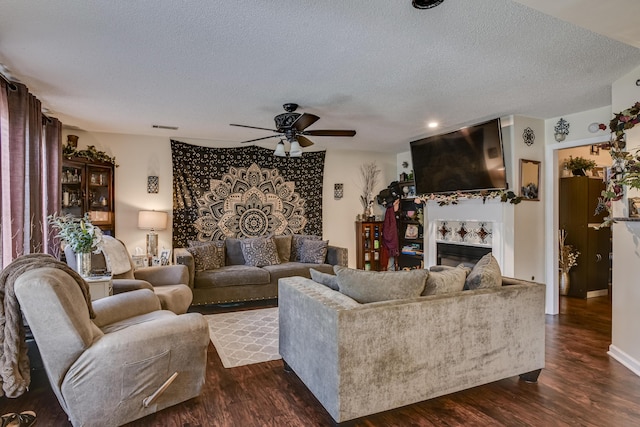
283,244
234,251
313,251
446,280
329,280
260,251
373,286
485,274
208,255
296,244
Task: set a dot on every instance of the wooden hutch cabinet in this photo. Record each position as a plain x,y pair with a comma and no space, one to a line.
88,187
369,245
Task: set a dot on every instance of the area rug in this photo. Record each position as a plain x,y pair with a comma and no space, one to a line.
245,337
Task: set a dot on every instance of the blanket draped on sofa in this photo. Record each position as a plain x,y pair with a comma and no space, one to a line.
244,192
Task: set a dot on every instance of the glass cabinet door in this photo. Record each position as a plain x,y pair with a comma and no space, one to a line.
72,181
100,195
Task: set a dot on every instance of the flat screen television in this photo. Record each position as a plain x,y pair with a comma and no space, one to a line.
469,159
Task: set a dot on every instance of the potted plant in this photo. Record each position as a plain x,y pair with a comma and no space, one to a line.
81,235
579,165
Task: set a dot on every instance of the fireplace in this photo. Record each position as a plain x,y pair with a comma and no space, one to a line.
475,226
453,255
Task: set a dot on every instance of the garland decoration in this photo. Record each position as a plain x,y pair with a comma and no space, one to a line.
453,198
91,153
625,168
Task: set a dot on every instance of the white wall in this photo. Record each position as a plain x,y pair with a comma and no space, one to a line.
528,239
625,345
141,156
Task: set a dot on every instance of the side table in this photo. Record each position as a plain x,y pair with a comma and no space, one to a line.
99,287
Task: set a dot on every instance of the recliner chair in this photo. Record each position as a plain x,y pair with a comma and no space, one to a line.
132,360
168,282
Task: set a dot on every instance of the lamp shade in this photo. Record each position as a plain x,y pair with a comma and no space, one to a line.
152,220
296,150
280,150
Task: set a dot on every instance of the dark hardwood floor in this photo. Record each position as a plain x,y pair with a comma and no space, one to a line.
580,386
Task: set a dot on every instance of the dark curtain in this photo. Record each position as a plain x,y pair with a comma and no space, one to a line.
29,185
244,192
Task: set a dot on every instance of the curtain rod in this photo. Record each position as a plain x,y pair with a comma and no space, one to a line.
12,85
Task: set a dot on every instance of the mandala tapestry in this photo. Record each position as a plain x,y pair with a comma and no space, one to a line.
244,192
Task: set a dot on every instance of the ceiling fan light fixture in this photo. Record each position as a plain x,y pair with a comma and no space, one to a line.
296,150
279,152
425,4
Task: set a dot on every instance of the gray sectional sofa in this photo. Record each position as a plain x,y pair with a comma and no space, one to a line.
359,359
235,281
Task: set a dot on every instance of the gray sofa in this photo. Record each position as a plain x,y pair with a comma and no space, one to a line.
360,359
237,282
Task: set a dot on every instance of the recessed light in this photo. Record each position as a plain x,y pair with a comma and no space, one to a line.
433,125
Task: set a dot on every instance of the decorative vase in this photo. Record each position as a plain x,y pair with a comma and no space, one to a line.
83,263
564,283
578,172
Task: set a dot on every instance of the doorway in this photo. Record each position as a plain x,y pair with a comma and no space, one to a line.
552,173
585,247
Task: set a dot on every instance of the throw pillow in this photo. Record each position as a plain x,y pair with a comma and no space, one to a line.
373,286
234,251
260,251
296,244
446,280
313,251
329,280
485,274
208,255
283,244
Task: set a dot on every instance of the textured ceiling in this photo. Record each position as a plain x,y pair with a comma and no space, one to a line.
380,67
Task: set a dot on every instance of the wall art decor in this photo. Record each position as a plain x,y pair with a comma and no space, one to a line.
244,192
528,136
152,184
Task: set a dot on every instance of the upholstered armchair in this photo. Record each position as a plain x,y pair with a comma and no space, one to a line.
131,360
168,282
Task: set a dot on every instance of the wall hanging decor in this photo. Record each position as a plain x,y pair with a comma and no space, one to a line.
152,184
561,129
528,136
244,192
338,191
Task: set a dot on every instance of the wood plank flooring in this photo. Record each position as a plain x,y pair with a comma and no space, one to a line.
580,386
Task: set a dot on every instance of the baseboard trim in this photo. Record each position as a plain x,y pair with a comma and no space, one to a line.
629,362
598,293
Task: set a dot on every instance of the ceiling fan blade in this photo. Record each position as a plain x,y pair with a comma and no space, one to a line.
330,132
304,142
258,139
304,121
253,127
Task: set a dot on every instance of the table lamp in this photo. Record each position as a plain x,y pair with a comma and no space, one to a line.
152,221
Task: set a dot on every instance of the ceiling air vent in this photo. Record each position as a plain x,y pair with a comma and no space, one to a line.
164,127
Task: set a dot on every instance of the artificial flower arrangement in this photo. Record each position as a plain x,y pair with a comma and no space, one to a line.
625,168
79,233
568,257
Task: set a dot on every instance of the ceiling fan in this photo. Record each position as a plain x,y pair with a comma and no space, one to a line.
292,125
